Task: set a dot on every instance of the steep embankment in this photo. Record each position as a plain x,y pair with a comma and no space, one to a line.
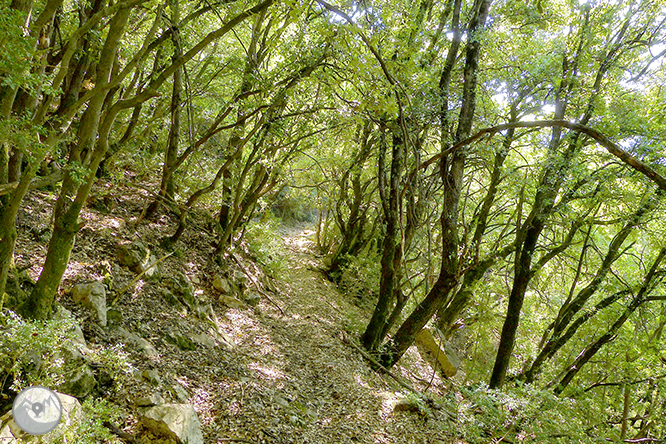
279,371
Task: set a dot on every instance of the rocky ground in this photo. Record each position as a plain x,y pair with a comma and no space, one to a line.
261,359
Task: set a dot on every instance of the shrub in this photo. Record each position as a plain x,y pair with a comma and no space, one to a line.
92,430
265,245
31,351
526,414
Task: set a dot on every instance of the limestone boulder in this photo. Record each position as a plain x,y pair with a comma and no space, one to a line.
92,295
138,258
181,286
221,284
143,345
174,421
252,298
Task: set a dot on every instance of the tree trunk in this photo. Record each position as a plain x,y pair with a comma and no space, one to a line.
167,186
589,352
66,211
452,169
391,253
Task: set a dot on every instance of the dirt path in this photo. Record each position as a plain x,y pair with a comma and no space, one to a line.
302,383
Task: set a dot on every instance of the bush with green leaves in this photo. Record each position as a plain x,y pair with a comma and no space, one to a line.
265,245
92,430
31,351
527,414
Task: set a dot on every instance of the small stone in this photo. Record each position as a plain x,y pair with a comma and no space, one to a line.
222,338
279,400
221,284
195,280
152,376
182,342
204,311
135,256
114,317
230,301
141,344
203,339
180,392
148,401
407,405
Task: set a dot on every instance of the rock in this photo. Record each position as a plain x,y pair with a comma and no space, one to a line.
171,299
181,287
407,405
80,380
135,256
93,296
241,280
149,401
437,352
152,376
114,317
204,311
179,392
221,284
174,421
203,339
282,402
141,344
72,417
195,280
252,298
230,301
181,342
222,338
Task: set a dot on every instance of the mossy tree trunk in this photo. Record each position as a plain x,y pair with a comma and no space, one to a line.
66,211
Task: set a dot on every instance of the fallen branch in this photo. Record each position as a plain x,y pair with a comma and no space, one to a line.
254,282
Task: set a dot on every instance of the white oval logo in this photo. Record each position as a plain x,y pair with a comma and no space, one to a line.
37,410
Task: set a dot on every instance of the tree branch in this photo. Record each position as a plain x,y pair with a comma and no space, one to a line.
604,141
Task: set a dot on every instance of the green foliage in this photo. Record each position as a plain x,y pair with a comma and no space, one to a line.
526,414
265,245
16,49
92,429
115,361
31,351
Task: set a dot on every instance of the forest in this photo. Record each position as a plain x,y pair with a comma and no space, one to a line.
493,172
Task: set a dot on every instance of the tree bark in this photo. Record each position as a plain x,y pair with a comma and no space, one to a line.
452,169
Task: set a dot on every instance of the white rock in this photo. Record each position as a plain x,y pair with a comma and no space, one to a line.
221,284
203,339
92,295
176,421
142,344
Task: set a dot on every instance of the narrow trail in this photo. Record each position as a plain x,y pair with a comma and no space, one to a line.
302,383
